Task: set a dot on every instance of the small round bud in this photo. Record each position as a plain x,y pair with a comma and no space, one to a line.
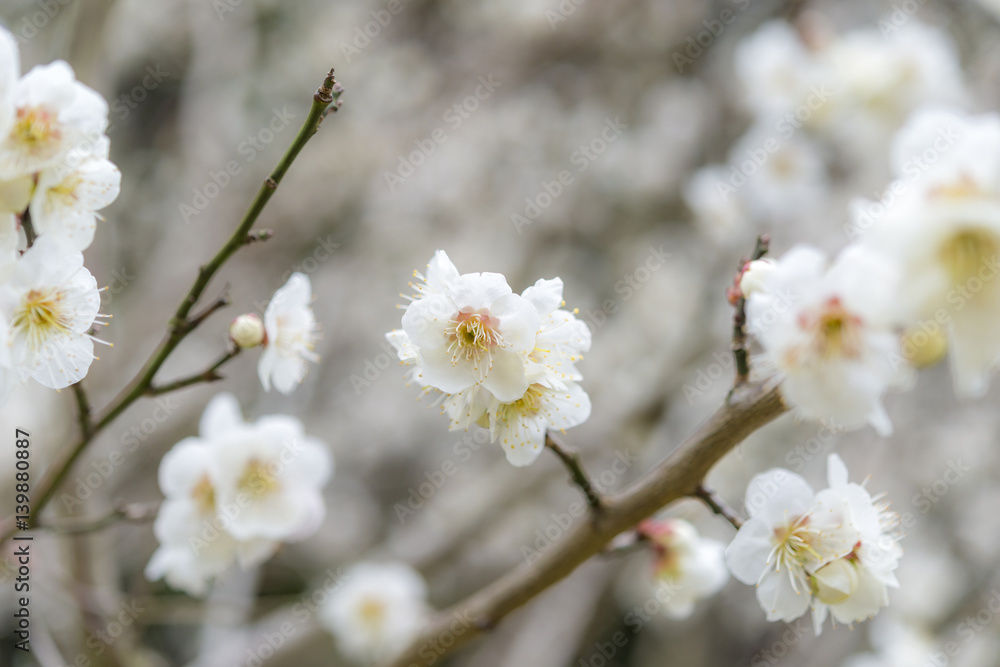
755,276
836,581
247,331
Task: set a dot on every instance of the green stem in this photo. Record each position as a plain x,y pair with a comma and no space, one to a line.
211,374
181,324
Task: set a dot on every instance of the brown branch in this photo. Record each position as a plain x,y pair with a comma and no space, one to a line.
748,408
571,459
211,374
740,353
719,506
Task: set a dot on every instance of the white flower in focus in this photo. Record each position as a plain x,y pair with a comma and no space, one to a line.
828,333
53,114
854,587
792,532
692,567
67,200
291,335
520,426
275,474
943,232
562,338
50,302
377,612
474,332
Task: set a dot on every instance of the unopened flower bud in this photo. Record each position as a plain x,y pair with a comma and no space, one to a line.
836,581
755,276
246,331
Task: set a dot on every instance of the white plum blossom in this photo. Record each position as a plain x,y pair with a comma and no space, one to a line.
503,361
50,302
855,587
233,493
194,545
67,200
275,474
943,234
692,567
291,334
377,611
792,532
49,113
834,551
828,332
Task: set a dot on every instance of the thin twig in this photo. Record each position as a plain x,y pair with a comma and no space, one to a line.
719,506
196,320
29,229
740,319
677,476
130,513
571,459
83,409
258,236
210,374
180,324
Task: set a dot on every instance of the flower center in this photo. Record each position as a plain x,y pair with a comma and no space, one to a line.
35,130
835,331
472,335
204,495
528,404
794,545
41,316
257,480
965,253
372,612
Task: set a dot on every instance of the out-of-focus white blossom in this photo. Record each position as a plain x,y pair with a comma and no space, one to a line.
692,567
943,234
377,611
828,333
291,334
233,493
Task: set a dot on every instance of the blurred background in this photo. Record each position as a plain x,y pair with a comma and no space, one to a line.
458,119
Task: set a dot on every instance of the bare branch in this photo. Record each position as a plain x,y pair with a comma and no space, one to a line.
571,459
748,408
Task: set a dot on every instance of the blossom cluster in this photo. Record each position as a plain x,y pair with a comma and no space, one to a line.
834,551
820,103
234,493
919,281
504,361
55,177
